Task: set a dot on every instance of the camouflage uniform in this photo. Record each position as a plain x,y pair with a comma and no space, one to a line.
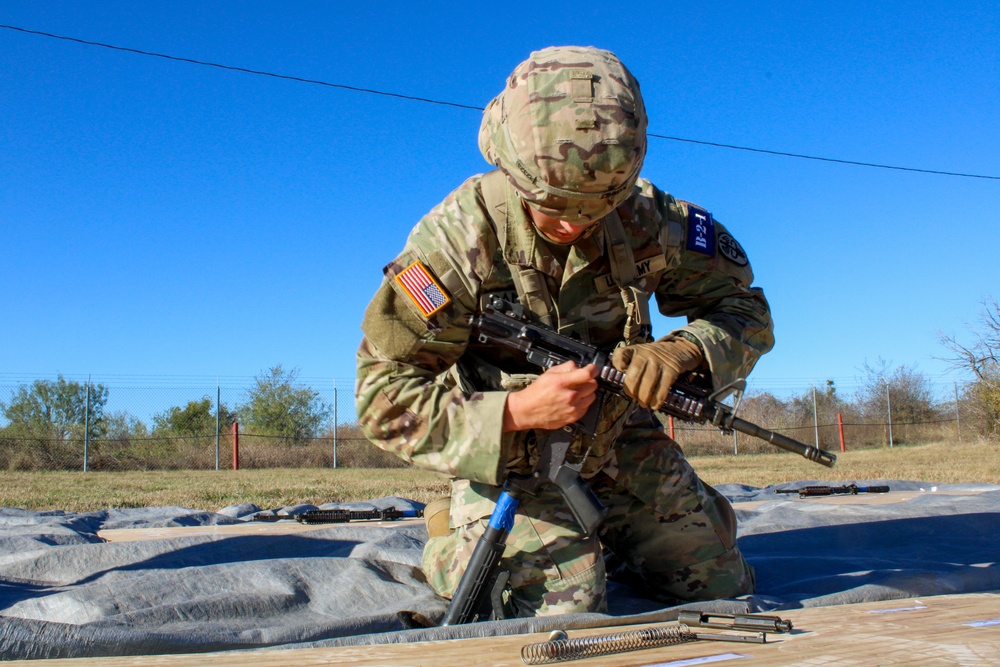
428,393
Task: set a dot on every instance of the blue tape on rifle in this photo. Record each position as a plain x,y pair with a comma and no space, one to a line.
503,515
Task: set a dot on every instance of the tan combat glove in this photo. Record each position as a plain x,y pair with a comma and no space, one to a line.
652,368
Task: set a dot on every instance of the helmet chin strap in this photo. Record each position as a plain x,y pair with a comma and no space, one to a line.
586,233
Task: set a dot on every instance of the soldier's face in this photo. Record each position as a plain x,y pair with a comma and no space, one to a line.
554,229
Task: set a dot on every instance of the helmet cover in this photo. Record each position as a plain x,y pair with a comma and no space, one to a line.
569,132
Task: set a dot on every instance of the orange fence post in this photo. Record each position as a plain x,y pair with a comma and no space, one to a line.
236,446
671,428
840,425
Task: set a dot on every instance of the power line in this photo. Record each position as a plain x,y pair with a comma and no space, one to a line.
825,159
472,107
245,70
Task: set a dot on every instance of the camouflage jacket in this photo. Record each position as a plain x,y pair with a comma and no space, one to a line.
428,395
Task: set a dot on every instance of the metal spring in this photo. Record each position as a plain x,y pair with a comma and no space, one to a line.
544,653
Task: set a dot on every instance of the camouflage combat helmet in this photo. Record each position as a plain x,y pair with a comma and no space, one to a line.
569,131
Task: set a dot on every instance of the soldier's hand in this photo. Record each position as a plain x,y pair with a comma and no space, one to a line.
652,368
560,396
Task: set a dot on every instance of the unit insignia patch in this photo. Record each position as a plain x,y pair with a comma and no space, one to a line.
732,250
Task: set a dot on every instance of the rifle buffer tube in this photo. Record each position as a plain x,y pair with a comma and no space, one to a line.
471,590
470,598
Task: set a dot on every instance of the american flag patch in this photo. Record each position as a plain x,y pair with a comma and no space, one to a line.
420,286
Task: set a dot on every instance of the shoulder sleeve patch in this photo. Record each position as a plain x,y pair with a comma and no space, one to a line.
422,287
731,249
700,231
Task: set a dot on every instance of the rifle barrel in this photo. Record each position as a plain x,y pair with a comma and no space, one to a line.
790,444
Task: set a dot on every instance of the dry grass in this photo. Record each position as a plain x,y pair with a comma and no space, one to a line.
943,463
212,490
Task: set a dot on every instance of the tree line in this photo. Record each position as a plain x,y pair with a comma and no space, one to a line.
276,404
52,417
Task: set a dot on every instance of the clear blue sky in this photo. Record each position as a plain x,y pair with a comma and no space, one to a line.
164,219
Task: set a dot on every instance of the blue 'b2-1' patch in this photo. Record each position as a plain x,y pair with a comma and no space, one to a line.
701,231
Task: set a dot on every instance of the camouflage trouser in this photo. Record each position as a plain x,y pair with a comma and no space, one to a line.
673,532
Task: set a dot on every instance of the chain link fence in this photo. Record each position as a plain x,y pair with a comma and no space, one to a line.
171,424
111,425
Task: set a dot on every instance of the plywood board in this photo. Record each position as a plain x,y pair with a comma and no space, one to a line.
932,631
285,527
289,526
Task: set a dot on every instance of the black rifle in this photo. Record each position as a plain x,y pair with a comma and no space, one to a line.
506,324
341,515
852,489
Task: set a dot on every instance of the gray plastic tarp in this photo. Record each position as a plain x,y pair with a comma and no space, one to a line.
65,592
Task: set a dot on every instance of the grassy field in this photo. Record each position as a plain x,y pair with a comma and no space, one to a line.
270,488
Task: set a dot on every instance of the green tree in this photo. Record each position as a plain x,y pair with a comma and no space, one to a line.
278,405
57,406
194,419
124,426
